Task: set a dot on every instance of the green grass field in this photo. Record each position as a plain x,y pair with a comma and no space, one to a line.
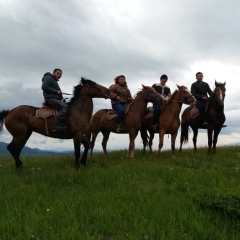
191,196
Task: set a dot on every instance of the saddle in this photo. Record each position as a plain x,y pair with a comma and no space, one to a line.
111,114
45,112
194,112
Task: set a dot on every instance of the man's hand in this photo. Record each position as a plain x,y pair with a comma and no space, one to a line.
204,97
59,92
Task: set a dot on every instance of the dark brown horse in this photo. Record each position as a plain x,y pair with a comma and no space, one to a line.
22,121
168,122
131,123
214,115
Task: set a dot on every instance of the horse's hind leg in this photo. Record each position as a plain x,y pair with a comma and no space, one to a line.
105,140
151,137
16,146
195,134
92,143
85,143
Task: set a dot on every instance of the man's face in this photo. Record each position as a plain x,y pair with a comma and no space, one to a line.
57,74
163,81
199,77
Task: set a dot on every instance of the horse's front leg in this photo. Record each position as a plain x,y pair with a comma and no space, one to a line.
215,138
160,145
132,136
77,142
210,133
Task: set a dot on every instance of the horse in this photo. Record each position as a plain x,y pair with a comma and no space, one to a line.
131,123
23,120
168,121
214,115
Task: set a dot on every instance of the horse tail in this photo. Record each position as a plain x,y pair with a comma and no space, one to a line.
3,114
184,133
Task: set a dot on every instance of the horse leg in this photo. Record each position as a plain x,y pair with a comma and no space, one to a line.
151,137
132,136
143,133
85,143
184,135
195,134
16,146
92,143
215,138
77,142
160,145
173,140
104,141
210,133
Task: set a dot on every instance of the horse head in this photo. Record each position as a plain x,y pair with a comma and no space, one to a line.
185,96
151,95
92,89
219,92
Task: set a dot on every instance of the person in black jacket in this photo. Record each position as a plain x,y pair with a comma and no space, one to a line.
163,89
53,97
201,90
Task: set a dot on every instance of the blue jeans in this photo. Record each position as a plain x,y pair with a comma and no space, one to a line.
156,113
119,107
201,106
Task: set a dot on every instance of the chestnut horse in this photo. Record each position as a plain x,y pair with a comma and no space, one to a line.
214,115
22,121
168,122
131,123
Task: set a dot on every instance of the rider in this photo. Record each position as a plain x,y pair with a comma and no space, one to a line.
119,95
53,97
164,90
200,90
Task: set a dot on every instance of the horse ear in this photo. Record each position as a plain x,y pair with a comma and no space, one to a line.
143,86
178,86
224,84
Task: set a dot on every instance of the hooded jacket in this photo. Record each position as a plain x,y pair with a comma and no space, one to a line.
50,87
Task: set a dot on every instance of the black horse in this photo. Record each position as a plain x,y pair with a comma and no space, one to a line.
214,115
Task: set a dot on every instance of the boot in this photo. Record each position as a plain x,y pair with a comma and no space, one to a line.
119,127
57,126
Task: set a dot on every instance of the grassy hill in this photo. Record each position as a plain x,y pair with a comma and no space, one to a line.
31,151
191,196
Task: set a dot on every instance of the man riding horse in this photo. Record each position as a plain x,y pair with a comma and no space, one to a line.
53,97
200,90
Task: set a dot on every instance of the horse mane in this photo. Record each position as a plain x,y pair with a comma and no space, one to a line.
77,88
172,96
149,87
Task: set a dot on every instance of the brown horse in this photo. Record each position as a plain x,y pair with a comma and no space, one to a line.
22,121
214,115
168,122
132,119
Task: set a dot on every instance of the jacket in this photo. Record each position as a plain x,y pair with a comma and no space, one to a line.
50,87
162,89
120,91
199,90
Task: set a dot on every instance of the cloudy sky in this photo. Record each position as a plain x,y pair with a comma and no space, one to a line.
100,39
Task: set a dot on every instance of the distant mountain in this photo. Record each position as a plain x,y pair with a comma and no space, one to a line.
32,151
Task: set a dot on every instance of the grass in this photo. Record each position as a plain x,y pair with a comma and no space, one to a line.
191,196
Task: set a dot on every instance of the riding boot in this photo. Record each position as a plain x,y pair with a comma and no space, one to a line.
119,127
57,126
